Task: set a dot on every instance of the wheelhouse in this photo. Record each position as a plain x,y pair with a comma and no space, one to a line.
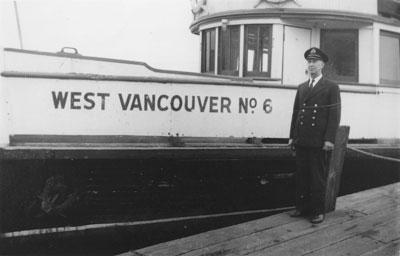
265,40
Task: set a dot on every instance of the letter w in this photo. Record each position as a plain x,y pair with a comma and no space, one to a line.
59,99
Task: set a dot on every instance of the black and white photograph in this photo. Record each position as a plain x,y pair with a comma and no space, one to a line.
200,127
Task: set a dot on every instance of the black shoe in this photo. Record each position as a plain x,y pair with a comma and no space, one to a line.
297,213
317,218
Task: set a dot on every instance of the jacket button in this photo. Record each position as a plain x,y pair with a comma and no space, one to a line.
313,117
315,111
301,123
313,124
301,116
302,110
316,105
304,104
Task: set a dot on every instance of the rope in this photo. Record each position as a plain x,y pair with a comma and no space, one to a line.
46,231
375,155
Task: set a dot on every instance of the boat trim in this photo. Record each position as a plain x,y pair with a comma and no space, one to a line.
292,13
153,79
85,147
79,56
369,88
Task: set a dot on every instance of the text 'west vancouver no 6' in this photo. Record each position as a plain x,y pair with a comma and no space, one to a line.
163,102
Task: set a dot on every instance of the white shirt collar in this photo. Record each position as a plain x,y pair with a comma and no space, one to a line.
316,80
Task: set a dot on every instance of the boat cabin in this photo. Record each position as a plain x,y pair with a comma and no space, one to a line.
266,39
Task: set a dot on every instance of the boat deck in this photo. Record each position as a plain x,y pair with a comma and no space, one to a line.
364,223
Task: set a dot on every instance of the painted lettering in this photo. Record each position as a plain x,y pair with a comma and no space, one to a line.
136,102
187,107
203,104
159,102
267,106
174,99
213,104
88,97
60,99
103,99
75,98
243,105
225,104
124,103
78,100
150,103
145,102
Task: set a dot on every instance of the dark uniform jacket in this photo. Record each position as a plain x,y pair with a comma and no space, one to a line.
316,114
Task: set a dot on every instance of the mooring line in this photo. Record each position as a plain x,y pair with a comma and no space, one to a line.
44,231
374,155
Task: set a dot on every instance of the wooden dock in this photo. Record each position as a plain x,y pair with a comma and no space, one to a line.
365,223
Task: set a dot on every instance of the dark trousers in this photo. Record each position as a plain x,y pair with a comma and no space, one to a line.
311,178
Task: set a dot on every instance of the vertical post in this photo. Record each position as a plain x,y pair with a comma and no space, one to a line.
241,51
335,168
216,54
375,53
201,50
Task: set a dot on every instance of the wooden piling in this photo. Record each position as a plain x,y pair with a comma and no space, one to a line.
335,168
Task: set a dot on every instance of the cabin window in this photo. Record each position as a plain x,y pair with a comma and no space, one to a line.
208,51
257,50
389,60
229,48
342,48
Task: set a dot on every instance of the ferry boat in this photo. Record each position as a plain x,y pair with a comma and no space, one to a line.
91,143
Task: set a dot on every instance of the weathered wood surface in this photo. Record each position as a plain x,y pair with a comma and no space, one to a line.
335,168
364,223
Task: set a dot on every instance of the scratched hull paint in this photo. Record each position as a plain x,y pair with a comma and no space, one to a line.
143,195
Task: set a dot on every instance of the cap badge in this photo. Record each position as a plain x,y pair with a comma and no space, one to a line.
313,50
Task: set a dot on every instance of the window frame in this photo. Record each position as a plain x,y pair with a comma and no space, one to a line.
334,76
257,74
207,55
392,35
221,51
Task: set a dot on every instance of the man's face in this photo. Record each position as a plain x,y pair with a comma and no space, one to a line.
315,67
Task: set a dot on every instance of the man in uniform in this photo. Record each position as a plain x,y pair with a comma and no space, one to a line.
315,120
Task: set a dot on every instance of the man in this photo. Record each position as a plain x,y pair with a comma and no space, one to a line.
315,120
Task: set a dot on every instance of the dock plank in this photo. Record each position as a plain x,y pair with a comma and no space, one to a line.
373,205
219,236
392,249
354,246
391,190
386,233
365,223
330,235
260,240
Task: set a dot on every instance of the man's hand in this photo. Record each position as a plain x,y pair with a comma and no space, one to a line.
328,146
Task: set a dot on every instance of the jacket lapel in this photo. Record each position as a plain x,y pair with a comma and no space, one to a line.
318,87
304,91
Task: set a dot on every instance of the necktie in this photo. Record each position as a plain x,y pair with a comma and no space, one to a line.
312,84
